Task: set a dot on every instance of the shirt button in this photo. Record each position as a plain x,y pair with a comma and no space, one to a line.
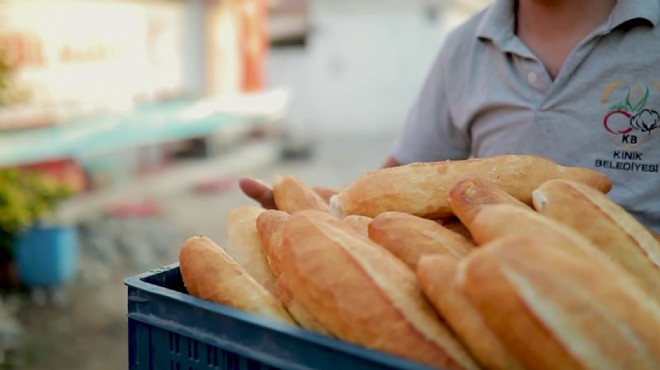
532,77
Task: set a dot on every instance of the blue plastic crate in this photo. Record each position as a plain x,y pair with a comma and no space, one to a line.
171,330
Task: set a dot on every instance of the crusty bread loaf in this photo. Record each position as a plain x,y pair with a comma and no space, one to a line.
362,294
292,195
210,273
505,220
409,237
436,274
470,194
270,227
607,225
244,245
422,188
358,223
555,310
296,310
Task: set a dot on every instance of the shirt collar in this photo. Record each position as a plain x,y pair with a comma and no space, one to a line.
627,10
498,24
498,21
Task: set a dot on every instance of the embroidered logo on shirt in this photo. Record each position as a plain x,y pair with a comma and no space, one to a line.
631,121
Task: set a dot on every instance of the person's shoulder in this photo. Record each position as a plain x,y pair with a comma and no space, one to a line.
465,35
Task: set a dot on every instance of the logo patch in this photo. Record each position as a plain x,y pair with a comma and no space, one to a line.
631,121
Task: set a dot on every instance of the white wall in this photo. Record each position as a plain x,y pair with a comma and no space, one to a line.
364,65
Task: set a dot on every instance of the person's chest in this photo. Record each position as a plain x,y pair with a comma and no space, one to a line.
603,105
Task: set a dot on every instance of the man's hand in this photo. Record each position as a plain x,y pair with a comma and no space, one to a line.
258,191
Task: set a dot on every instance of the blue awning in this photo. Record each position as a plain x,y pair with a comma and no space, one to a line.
148,124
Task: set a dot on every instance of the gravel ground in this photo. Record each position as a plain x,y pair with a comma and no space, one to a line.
83,326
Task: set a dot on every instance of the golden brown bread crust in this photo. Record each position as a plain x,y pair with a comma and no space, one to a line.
362,294
358,223
607,225
506,220
292,195
409,237
471,193
244,245
210,273
555,310
296,310
270,229
436,274
422,188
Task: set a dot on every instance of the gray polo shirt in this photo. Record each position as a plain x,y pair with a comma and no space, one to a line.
487,94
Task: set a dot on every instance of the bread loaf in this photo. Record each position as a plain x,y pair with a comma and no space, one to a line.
362,294
554,310
436,274
209,273
409,237
607,225
471,193
296,310
292,195
358,223
270,227
244,245
506,220
422,188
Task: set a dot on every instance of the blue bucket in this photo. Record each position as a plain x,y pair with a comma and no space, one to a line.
47,256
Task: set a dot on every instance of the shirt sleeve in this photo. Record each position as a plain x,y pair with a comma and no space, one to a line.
429,133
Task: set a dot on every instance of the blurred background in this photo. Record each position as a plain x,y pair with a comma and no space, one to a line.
124,126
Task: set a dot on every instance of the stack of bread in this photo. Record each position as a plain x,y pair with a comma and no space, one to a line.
511,262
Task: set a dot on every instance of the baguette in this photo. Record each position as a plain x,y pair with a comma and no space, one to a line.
270,227
409,237
436,274
422,188
556,311
358,223
209,273
362,294
303,317
505,220
607,225
471,193
244,244
292,195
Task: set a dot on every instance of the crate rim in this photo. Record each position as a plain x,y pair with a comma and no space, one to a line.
138,282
